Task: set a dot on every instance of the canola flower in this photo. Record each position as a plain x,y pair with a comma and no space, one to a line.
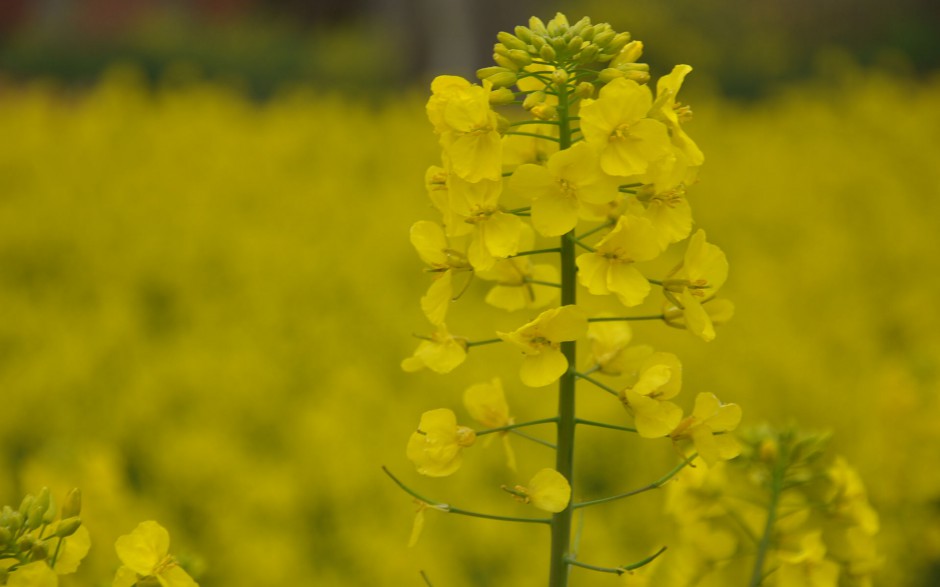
145,559
604,167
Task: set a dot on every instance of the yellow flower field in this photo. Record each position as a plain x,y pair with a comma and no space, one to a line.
205,303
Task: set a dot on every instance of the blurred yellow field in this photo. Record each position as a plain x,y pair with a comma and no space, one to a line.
204,303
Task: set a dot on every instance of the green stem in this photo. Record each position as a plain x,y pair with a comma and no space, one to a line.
536,252
600,385
654,485
539,282
625,318
564,455
597,229
577,563
514,426
531,134
524,122
426,580
776,488
473,343
449,509
534,439
605,425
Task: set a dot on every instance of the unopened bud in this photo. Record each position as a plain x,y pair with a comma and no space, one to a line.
465,436
533,99
510,40
559,77
505,62
503,79
25,543
524,34
501,97
584,90
629,54
640,77
609,74
588,53
579,26
502,124
67,527
559,44
38,552
537,26
618,42
602,39
575,44
544,111
34,518
5,537
520,57
547,53
538,42
587,33
73,503
26,504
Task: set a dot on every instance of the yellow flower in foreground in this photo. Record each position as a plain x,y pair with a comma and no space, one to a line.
616,123
609,269
144,553
487,404
671,113
431,243
514,289
610,350
441,353
548,490
540,341
435,447
709,417
461,114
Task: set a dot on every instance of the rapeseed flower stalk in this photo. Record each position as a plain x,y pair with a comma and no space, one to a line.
601,164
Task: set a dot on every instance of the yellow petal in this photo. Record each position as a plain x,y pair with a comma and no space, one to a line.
628,283
592,273
429,240
417,527
73,550
124,577
36,574
549,491
175,576
436,302
144,547
543,368
555,213
486,403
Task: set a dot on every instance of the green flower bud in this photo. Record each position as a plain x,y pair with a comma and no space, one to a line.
602,39
485,72
628,67
38,552
5,536
505,62
640,77
533,99
587,33
34,518
575,44
609,74
576,28
521,57
588,53
558,25
544,111
537,26
584,90
51,511
524,34
26,504
510,40
25,543
560,77
16,521
538,42
501,49
559,44
547,53
503,79
73,503
619,42
67,527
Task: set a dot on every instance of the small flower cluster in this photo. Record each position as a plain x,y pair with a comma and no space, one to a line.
40,541
797,517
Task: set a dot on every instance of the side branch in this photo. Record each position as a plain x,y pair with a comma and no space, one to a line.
520,425
449,509
609,390
626,318
654,485
604,425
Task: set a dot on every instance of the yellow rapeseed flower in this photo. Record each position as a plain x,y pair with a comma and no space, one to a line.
610,350
703,271
708,426
487,404
666,109
617,124
660,380
548,490
435,447
442,352
144,554
609,269
540,341
35,574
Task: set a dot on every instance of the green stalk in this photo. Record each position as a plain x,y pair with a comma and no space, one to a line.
564,460
776,488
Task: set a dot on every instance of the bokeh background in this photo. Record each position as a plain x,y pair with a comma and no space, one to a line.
206,285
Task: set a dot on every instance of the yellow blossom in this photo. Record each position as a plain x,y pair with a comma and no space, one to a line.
708,426
144,553
495,233
804,564
557,190
666,109
487,404
610,350
660,380
616,123
436,181
548,490
702,272
540,341
35,574
461,114
435,447
519,149
609,269
441,353
431,243
515,288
